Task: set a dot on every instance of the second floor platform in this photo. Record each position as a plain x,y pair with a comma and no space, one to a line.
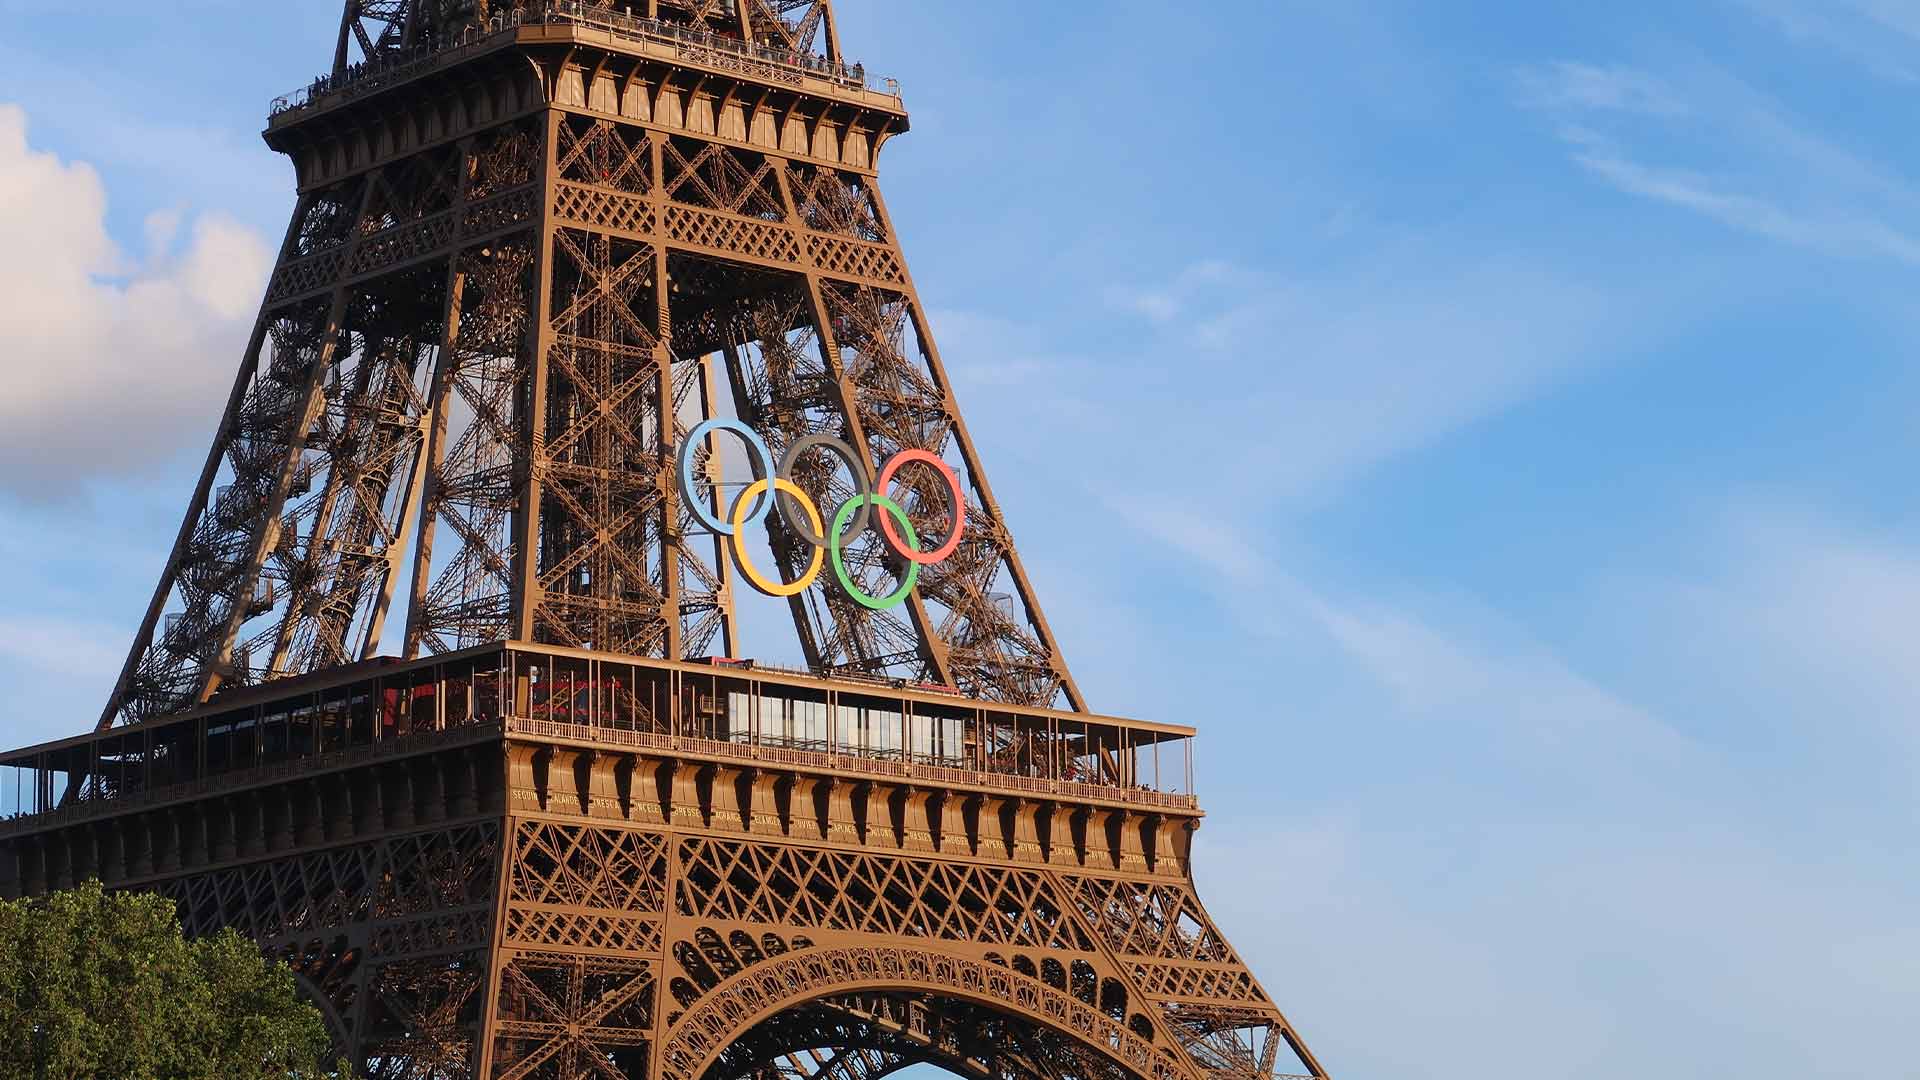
719,711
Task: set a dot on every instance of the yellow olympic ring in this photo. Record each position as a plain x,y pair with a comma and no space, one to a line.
747,497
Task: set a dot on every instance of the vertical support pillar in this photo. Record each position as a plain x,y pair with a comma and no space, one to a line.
670,535
526,525
722,561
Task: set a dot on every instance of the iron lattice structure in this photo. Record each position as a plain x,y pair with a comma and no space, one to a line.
535,245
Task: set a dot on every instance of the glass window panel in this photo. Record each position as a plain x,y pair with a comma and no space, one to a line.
739,716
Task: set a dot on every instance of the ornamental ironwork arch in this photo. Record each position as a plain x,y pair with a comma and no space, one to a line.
732,1010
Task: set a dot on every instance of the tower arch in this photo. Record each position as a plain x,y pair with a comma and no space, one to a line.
922,997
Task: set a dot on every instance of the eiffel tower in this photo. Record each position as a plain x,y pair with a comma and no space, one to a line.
555,271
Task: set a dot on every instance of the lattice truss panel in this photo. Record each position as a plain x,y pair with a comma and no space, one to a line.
799,28
1179,958
584,930
873,384
388,937
465,596
977,601
841,203
375,30
298,533
729,959
579,949
857,892
409,390
618,399
804,27
601,467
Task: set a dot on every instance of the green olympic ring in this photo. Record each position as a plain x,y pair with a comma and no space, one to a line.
898,596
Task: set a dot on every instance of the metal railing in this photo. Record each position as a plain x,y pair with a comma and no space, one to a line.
689,43
848,761
417,742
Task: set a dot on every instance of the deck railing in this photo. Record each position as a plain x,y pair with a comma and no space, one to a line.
689,43
851,761
88,809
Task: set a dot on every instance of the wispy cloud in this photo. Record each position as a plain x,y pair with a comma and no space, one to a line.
1590,86
1315,381
1830,231
1877,35
1706,142
1164,302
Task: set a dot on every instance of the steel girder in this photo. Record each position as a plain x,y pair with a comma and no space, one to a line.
472,371
466,904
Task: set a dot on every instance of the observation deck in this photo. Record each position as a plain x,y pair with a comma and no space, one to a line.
721,713
572,23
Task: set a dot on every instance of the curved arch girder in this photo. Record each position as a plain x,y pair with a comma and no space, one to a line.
698,1040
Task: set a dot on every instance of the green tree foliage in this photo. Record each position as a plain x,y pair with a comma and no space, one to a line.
101,986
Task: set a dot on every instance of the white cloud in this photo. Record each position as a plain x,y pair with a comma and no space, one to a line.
1702,140
1313,380
1167,301
112,361
1831,231
1877,35
1595,87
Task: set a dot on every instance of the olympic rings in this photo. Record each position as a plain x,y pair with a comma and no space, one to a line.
773,488
856,465
909,551
898,596
813,515
690,494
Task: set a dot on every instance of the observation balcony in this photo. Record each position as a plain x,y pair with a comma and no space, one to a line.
720,712
571,21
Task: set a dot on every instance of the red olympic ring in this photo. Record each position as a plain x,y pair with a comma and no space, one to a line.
904,549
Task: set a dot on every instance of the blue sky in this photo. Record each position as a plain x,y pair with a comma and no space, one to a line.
1489,423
